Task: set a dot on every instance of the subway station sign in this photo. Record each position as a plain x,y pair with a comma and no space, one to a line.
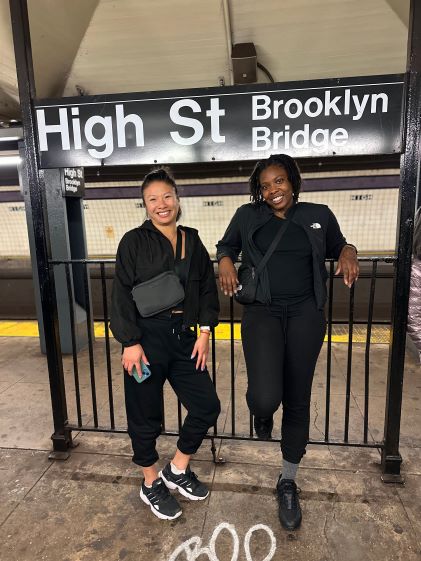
346,116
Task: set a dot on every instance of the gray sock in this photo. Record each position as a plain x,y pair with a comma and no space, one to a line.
289,470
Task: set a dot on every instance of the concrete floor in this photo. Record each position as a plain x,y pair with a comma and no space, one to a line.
87,508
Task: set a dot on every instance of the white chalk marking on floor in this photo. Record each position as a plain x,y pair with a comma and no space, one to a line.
248,538
193,547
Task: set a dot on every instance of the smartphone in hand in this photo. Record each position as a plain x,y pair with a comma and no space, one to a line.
146,372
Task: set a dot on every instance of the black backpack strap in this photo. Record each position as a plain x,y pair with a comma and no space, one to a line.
275,242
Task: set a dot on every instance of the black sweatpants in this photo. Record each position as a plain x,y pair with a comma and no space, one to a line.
281,354
168,349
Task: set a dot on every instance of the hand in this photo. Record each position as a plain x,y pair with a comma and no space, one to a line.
132,356
228,279
348,265
201,349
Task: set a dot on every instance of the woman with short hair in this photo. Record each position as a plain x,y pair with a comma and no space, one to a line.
283,327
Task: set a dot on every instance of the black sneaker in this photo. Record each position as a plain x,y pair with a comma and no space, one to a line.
186,483
162,503
263,427
289,506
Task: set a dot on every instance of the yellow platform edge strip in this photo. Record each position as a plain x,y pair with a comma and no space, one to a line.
380,334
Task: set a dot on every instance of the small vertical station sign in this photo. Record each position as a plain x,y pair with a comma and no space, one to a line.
73,182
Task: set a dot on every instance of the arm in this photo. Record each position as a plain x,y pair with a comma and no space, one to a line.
208,307
123,309
208,301
227,252
337,248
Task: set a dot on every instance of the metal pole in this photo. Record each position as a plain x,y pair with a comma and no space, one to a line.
410,163
61,437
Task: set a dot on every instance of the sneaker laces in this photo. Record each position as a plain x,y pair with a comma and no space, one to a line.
160,492
192,477
289,494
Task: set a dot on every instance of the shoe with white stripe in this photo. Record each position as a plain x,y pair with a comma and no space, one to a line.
187,483
162,503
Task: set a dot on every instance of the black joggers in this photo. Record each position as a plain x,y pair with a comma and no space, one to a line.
281,353
168,348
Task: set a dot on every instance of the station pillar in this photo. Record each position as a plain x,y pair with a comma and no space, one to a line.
64,189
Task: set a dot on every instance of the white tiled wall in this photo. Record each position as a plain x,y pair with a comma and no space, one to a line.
367,219
13,230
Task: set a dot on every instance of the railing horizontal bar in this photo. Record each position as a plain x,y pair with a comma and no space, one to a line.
246,438
384,259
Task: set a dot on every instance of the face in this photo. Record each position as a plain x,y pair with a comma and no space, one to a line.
161,202
276,189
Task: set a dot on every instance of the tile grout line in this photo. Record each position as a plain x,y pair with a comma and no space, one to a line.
414,530
27,493
11,386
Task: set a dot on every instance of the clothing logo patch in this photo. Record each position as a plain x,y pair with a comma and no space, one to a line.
315,225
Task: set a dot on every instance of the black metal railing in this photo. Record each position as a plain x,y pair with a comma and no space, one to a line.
85,421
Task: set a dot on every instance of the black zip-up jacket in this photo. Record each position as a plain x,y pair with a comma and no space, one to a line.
144,253
319,223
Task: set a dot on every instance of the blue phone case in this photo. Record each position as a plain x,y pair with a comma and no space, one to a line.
145,373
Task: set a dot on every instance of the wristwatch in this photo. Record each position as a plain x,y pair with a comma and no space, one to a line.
205,329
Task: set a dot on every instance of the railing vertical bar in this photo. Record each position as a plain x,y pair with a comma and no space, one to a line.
107,345
90,342
367,347
74,348
329,350
349,361
213,354
232,355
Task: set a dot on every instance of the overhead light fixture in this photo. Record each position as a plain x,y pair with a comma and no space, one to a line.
10,160
9,138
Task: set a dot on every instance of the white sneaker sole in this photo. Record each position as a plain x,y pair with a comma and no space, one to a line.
145,499
180,489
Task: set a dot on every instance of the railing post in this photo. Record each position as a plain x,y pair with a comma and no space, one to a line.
410,162
61,437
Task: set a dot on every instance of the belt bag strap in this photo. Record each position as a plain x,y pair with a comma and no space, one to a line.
178,246
274,243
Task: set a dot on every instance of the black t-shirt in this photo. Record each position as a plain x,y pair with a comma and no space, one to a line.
290,266
180,268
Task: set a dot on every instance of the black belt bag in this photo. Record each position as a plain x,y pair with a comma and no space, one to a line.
248,275
160,293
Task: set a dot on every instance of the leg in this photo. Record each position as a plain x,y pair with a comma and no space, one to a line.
144,416
196,392
181,460
305,333
263,343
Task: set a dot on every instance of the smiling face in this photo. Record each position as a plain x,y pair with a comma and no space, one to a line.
161,202
276,189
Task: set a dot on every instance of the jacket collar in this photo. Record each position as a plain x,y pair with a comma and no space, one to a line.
149,227
266,211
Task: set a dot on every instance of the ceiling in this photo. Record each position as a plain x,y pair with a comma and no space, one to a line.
111,46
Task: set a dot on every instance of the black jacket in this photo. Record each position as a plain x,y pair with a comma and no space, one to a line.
144,253
319,223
